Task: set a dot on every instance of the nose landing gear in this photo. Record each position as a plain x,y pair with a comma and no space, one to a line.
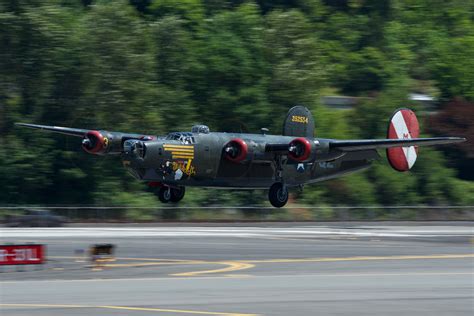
168,194
177,194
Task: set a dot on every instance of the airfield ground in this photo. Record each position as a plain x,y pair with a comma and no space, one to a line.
291,269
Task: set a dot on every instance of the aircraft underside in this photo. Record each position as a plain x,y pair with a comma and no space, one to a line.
263,175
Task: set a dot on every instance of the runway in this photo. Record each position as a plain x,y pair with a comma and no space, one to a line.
253,269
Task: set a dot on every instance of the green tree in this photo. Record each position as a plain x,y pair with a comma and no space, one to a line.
297,66
174,61
229,80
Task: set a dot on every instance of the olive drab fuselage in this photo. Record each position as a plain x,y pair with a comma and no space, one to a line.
197,159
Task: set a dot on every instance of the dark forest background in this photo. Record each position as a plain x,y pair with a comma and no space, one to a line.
154,66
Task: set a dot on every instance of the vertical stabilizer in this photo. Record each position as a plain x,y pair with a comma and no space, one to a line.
299,122
403,125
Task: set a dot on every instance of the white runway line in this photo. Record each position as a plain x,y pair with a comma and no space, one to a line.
127,232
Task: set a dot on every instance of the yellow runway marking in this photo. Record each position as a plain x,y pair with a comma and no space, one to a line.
368,258
137,264
389,274
145,264
232,266
157,259
177,311
238,265
130,308
140,259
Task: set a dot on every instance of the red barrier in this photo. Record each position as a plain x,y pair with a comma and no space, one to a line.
22,254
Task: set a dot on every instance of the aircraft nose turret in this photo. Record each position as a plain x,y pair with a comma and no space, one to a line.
146,152
135,149
140,156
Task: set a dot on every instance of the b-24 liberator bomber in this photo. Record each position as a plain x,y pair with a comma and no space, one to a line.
252,161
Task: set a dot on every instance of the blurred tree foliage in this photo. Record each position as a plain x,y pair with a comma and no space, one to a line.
152,66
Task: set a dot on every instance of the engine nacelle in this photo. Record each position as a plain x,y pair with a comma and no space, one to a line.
95,143
104,142
300,149
236,150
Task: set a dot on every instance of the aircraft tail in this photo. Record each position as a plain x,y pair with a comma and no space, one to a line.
403,125
299,122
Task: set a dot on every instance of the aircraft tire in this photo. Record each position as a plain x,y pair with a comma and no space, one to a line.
164,194
177,194
278,194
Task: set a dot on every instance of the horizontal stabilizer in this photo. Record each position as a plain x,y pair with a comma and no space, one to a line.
365,144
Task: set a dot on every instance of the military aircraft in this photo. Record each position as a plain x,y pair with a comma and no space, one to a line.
252,161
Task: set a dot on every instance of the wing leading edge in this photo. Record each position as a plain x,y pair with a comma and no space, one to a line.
57,129
366,144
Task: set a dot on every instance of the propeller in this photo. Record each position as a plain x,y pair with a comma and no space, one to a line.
299,149
95,143
236,150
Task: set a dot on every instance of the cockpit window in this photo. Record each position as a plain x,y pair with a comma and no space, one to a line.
182,137
198,129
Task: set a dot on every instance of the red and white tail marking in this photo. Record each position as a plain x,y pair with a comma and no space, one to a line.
403,125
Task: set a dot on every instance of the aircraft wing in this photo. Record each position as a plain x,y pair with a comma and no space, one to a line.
57,129
366,144
97,142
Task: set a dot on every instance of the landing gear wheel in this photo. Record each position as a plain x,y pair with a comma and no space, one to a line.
164,194
278,194
177,194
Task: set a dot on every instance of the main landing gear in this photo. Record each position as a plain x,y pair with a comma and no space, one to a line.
168,194
278,194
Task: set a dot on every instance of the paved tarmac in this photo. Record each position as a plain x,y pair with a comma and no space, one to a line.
252,269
